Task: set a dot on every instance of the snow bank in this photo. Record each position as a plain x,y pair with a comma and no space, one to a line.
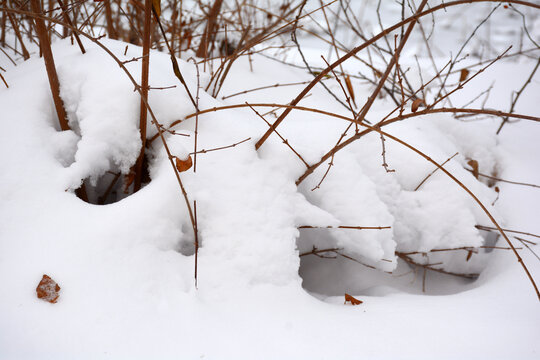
126,269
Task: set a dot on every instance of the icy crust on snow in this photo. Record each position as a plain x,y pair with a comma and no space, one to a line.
248,206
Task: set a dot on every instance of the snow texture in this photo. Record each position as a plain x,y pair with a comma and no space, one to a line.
126,268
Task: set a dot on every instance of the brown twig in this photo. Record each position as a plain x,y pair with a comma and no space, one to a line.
488,228
209,31
4,80
411,261
524,242
15,27
434,171
137,169
336,251
505,181
518,94
204,151
346,227
263,88
68,20
49,65
285,141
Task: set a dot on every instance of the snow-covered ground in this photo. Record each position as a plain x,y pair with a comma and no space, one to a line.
126,269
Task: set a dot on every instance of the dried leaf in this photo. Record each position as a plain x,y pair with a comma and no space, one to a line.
463,75
176,70
469,255
497,190
349,87
352,300
474,165
48,289
416,104
184,165
156,4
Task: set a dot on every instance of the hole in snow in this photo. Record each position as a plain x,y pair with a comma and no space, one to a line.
331,274
186,246
111,187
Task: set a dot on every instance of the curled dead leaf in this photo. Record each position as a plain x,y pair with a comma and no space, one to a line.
156,4
463,75
48,290
183,165
352,300
416,104
349,87
474,165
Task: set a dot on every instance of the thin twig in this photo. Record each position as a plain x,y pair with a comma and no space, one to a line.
518,94
434,171
346,227
204,151
489,228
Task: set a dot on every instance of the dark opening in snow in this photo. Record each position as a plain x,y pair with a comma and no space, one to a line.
336,272
111,187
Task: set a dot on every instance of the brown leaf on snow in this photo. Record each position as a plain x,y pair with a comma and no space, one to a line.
474,165
184,165
463,75
352,300
416,104
48,289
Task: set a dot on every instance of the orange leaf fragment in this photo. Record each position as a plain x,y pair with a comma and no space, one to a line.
416,104
183,165
48,289
463,75
352,300
156,4
349,87
474,165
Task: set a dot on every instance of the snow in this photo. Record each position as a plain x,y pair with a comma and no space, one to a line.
126,268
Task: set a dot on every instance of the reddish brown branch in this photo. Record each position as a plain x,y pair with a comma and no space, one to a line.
209,30
137,169
68,20
45,46
15,27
